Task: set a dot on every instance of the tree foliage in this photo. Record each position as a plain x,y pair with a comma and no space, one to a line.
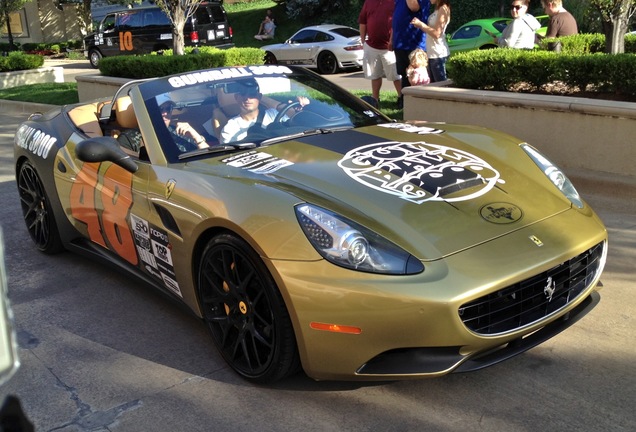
315,8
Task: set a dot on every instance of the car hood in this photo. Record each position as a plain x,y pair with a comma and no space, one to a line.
432,191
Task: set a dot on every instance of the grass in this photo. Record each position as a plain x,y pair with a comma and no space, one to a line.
45,93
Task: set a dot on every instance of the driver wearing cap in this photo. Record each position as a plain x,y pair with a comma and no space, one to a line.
251,114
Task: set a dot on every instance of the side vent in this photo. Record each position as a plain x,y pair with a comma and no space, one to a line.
167,219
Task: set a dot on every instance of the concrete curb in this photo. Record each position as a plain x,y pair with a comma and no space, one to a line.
19,107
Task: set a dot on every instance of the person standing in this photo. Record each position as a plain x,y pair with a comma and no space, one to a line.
376,36
562,23
406,37
436,45
520,33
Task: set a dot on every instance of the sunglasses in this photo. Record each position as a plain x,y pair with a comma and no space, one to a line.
249,94
516,7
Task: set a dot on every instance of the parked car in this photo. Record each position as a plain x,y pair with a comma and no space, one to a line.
329,237
327,47
145,29
479,34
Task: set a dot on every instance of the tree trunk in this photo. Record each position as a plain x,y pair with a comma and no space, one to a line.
615,31
9,34
178,41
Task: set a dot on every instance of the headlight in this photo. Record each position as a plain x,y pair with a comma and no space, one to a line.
557,176
350,245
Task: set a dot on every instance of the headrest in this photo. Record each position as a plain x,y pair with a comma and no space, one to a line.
125,113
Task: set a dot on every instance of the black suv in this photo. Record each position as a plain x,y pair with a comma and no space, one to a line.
146,29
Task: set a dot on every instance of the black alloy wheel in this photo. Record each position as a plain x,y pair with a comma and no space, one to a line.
37,212
245,311
270,58
327,63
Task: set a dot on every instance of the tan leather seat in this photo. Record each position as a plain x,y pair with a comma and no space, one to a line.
125,113
227,108
85,118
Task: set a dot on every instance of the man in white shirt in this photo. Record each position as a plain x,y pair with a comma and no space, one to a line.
251,115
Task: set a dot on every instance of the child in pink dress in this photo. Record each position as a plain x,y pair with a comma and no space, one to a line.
416,71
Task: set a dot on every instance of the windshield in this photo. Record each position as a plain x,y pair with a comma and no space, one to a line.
223,109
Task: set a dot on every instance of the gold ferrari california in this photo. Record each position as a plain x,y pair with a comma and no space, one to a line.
308,230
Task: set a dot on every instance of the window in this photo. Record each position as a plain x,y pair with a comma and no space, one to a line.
467,32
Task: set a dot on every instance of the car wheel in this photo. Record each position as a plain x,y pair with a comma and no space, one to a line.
485,47
94,57
327,63
245,311
37,211
270,58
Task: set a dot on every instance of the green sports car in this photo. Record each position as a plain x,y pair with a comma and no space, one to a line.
308,230
480,34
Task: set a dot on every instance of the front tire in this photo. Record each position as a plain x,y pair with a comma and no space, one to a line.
327,63
245,311
94,56
270,58
37,211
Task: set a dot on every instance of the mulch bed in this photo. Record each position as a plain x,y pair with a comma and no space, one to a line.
560,89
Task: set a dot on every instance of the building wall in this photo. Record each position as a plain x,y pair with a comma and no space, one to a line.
43,22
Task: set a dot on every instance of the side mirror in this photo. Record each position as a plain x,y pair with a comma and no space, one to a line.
102,149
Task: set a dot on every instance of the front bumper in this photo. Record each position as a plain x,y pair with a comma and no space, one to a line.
410,326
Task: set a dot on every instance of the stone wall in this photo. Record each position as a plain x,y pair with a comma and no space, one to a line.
575,133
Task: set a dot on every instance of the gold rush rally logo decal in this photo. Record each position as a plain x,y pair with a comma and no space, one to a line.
420,172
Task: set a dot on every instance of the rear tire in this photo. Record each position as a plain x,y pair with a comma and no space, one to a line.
37,211
245,311
327,63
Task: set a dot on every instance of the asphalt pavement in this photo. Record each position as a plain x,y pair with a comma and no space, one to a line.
100,352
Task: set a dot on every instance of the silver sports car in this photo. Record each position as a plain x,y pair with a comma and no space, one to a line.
327,47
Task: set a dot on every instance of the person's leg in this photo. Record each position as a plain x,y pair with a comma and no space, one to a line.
390,71
376,85
372,66
437,69
401,63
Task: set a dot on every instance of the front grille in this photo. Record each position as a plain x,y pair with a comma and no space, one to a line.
532,299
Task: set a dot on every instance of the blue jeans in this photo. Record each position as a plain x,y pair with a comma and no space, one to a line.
437,69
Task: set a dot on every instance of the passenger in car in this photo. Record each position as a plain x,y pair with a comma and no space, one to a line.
184,135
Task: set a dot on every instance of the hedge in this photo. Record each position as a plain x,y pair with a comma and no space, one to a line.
501,69
17,60
150,66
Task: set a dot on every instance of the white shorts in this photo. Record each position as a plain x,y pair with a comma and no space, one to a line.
379,63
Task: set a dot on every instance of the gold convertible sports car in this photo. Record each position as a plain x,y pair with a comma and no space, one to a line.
308,230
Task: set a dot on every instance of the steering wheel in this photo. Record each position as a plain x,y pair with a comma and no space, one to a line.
282,112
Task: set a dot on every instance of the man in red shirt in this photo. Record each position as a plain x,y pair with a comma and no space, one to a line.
378,62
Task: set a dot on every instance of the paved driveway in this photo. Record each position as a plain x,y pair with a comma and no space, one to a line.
101,352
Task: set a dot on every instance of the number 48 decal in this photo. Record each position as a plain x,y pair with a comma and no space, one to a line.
107,224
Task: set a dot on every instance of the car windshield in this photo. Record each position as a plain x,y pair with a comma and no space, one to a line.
218,110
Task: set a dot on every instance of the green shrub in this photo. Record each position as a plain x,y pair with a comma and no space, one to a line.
17,60
501,69
5,48
587,43
150,66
